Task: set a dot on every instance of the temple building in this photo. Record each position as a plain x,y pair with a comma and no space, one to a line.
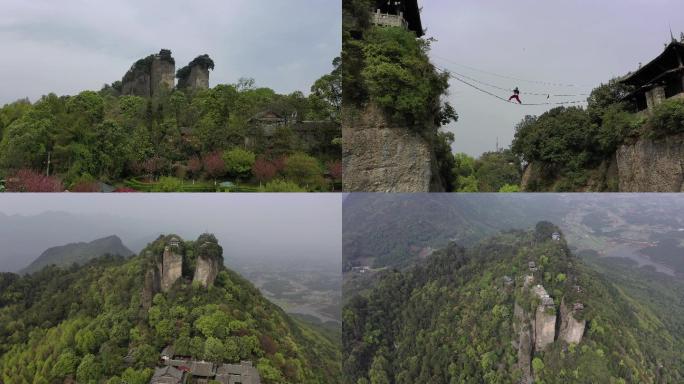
398,13
662,78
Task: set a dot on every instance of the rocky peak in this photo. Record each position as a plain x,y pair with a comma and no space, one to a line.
150,76
195,75
209,259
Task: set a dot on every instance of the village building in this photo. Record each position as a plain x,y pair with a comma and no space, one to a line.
168,375
555,236
183,369
532,266
243,373
398,13
662,78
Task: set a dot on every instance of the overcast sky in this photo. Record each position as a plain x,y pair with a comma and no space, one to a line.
282,226
72,45
579,42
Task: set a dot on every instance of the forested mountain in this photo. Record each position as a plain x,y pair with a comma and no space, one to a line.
391,229
108,320
79,253
515,307
174,139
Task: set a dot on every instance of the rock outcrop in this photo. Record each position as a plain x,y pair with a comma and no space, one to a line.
151,286
379,157
544,320
650,165
522,326
172,264
195,75
571,330
151,76
209,260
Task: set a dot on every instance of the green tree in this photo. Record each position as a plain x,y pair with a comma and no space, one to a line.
239,162
88,371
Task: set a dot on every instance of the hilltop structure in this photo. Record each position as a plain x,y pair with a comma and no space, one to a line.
662,78
155,75
404,14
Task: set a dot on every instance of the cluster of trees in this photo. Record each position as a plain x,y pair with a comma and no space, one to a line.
88,324
451,320
568,142
491,172
195,135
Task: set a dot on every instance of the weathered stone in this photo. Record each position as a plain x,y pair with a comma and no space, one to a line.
209,260
650,165
150,77
172,267
378,157
199,78
571,330
151,286
522,328
544,319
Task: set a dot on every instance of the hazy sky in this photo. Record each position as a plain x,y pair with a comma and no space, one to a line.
579,42
72,45
283,226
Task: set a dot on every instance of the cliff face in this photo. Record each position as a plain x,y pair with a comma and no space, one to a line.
571,329
199,78
378,157
651,165
172,267
544,328
151,286
151,76
209,260
523,328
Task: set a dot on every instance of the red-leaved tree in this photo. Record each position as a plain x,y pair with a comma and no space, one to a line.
27,180
264,170
214,165
153,165
194,166
335,170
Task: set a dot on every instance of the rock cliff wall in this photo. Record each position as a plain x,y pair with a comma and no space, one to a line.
523,328
151,76
571,330
544,327
650,165
172,267
199,78
379,157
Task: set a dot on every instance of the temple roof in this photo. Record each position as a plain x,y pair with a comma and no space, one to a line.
670,59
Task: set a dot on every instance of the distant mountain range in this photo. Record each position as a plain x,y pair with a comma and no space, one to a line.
79,253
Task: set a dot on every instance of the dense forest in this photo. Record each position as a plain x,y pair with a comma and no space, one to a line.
89,323
183,140
453,319
390,68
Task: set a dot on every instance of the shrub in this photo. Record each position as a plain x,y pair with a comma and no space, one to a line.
168,184
27,180
399,76
509,188
304,170
281,186
667,118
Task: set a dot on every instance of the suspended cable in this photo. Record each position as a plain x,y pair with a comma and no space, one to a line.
504,99
524,93
504,76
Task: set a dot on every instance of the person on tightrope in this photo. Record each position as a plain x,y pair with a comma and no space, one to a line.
516,95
